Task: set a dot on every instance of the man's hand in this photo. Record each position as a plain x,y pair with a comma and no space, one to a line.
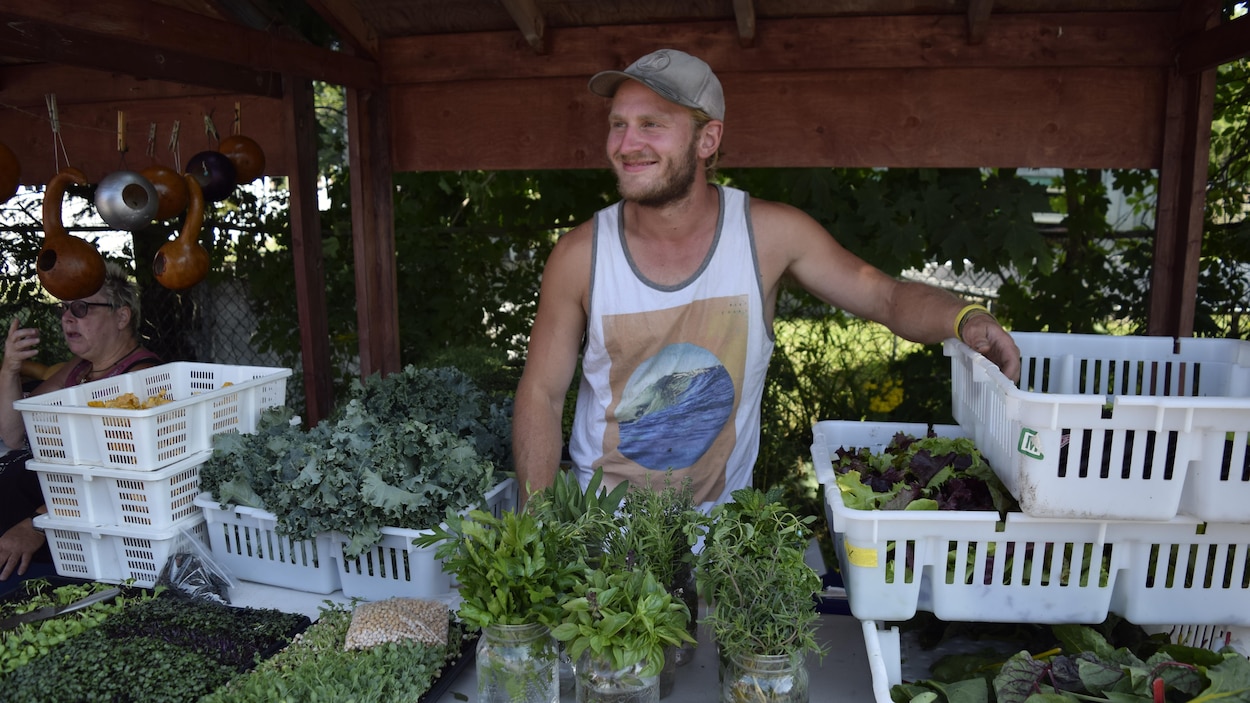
17,546
987,337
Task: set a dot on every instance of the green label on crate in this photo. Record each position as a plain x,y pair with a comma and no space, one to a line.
1029,444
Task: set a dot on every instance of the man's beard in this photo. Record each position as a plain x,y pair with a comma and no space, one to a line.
675,185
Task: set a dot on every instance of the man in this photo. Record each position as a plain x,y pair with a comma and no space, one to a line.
673,291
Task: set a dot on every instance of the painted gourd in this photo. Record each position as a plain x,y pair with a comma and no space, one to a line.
126,200
246,155
183,262
171,190
68,267
214,173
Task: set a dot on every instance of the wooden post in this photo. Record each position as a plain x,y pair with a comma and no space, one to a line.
373,230
1182,189
310,289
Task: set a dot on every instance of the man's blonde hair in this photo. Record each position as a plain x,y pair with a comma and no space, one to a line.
701,119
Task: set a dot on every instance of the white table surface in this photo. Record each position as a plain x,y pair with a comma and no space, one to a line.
841,676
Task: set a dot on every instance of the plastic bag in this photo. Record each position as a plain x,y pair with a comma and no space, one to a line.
397,620
192,571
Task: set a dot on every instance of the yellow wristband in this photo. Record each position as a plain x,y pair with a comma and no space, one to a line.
964,314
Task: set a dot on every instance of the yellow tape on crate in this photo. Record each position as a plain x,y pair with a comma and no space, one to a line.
865,557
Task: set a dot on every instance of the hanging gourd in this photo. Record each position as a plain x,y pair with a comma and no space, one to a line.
246,155
10,173
214,173
126,200
183,262
171,190
68,267
171,187
212,169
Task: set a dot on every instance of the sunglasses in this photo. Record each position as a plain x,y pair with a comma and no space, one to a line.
79,308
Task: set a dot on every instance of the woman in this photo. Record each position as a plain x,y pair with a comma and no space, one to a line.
102,331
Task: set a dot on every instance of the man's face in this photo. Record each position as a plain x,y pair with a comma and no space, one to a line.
651,145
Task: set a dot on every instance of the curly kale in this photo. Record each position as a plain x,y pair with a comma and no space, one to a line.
400,452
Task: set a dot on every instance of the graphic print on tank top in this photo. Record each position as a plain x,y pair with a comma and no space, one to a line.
676,377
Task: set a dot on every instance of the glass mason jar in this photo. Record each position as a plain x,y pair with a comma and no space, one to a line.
566,671
668,675
598,682
685,591
764,678
518,664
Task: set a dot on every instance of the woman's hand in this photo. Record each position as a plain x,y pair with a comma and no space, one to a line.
22,343
17,546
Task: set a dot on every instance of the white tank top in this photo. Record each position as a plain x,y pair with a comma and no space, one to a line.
672,376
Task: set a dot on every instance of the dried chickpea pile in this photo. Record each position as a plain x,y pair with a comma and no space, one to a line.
397,620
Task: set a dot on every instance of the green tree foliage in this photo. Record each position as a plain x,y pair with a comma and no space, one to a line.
1069,296
469,249
904,218
1104,276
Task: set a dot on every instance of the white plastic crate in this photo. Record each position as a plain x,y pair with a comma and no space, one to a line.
89,496
1184,571
395,568
951,563
890,663
208,399
245,542
115,554
1136,428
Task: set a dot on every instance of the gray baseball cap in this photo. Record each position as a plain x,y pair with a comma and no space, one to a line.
675,75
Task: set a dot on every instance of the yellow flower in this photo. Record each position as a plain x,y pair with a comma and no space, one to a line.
885,396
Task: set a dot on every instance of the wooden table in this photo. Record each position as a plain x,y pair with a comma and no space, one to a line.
841,676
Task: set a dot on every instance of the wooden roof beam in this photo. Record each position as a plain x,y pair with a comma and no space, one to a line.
530,21
45,43
744,13
979,20
1221,44
345,19
150,29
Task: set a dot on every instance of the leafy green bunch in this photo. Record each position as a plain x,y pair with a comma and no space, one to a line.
753,575
625,617
920,473
657,529
1120,665
592,509
513,569
443,396
399,453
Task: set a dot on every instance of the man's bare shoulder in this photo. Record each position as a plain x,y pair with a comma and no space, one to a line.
575,243
568,265
772,214
786,229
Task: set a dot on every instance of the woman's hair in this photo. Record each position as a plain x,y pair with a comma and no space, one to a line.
121,292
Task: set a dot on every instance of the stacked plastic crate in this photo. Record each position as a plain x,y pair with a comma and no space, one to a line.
1128,456
120,479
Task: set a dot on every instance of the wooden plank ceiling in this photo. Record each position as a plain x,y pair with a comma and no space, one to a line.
501,84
